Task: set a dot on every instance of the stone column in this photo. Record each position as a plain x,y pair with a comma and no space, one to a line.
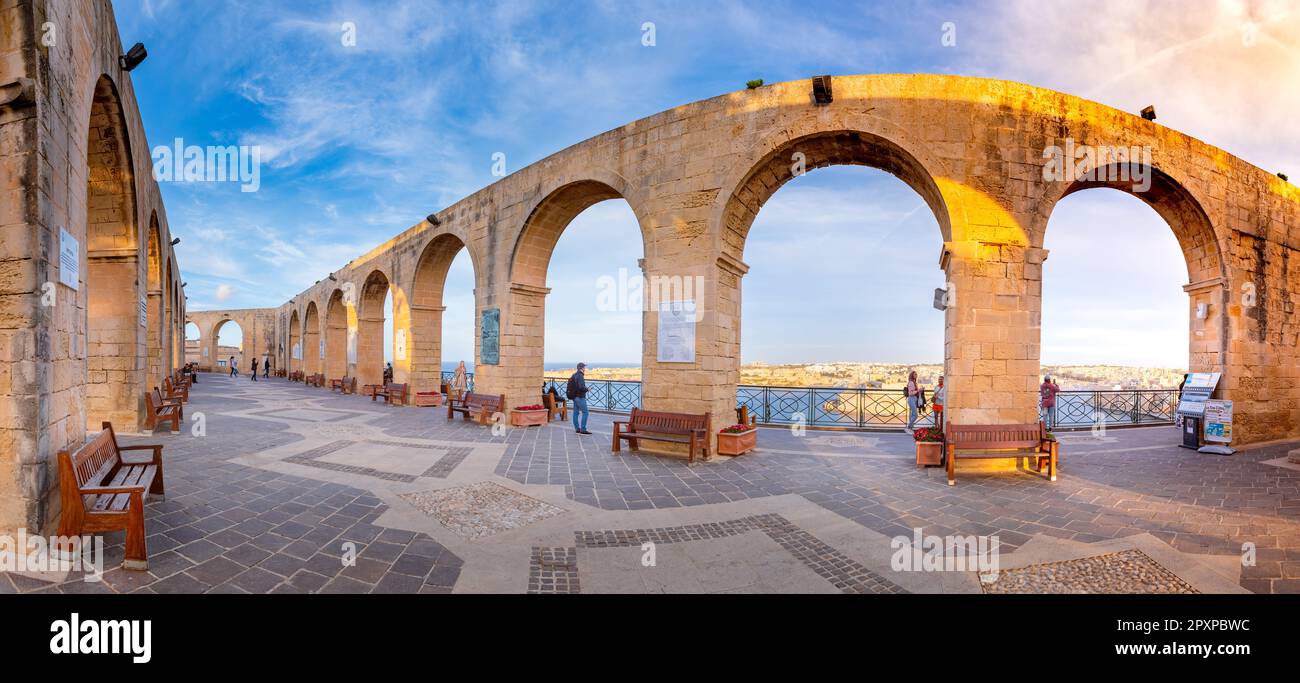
523,329
156,361
992,339
370,350
424,346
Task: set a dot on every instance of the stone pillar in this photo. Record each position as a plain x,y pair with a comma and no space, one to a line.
992,339
156,354
425,347
336,347
523,330
311,360
114,372
402,333
370,350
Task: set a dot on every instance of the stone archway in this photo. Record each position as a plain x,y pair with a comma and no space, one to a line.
370,328
311,341
295,343
336,336
115,348
426,309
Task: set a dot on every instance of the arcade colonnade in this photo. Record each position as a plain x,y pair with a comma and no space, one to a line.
92,309
697,175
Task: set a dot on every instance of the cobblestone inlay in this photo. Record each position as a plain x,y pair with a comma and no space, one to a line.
1127,571
553,571
282,414
841,571
439,470
481,509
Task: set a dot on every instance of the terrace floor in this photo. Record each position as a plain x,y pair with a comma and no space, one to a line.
296,489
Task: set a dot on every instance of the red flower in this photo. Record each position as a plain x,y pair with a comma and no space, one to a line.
736,429
532,407
928,435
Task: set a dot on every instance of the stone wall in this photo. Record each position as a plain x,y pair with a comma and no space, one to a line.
73,156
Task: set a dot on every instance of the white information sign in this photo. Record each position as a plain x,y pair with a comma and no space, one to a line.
399,344
69,259
677,332
352,345
297,351
1218,420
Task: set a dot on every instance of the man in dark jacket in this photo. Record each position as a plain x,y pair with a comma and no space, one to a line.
577,392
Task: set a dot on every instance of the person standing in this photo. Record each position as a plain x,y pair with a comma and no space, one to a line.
460,381
266,367
939,397
577,392
234,367
254,373
1048,391
913,393
388,374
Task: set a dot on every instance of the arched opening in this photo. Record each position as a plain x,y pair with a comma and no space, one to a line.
336,336
115,310
156,333
170,351
1121,325
444,258
312,351
295,343
596,314
228,337
374,345
835,348
195,351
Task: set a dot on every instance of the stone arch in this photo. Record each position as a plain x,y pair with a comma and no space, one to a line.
311,347
1192,227
115,348
336,335
214,343
424,360
295,343
757,182
156,316
551,215
370,327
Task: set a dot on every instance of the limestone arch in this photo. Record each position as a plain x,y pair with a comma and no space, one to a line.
336,334
155,333
115,348
426,306
1207,270
214,342
523,327
311,346
370,327
295,343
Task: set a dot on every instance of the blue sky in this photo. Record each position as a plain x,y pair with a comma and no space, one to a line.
361,142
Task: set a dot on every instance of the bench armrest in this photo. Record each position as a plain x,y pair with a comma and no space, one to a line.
157,454
110,489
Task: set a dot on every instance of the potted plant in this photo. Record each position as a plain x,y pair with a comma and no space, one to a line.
737,439
929,446
428,398
528,416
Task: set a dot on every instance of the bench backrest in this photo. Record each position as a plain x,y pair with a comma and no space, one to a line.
488,401
669,423
994,436
399,389
95,459
153,399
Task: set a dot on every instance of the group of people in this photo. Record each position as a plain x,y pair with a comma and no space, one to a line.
915,394
266,368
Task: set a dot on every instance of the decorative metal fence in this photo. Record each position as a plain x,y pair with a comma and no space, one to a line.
885,408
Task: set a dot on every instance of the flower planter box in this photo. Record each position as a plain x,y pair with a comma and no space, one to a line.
737,443
528,418
425,399
929,454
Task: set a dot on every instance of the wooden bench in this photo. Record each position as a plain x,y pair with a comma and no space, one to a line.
159,409
392,393
555,407
683,428
999,441
345,385
103,490
482,406
316,380
172,390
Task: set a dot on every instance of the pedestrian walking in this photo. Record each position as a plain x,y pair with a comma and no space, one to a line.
1048,390
234,367
577,392
254,373
913,393
940,395
388,374
460,381
266,367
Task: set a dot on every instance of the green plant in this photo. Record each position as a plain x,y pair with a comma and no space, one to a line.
756,83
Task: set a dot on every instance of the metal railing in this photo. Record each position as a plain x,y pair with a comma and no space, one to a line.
886,408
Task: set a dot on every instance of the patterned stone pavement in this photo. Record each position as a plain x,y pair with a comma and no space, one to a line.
295,489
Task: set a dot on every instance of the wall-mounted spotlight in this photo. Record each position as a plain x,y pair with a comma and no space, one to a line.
184,283
1149,112
332,278
133,57
1282,175
821,90
176,241
433,219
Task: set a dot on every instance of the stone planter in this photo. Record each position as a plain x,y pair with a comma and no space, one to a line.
737,443
426,399
929,454
528,418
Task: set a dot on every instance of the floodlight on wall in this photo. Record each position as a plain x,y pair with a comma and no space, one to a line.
133,57
433,220
821,90
1282,175
1149,112
332,278
176,241
184,283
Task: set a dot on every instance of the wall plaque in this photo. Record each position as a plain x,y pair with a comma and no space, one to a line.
490,337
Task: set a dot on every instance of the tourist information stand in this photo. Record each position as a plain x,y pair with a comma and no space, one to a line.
1191,405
